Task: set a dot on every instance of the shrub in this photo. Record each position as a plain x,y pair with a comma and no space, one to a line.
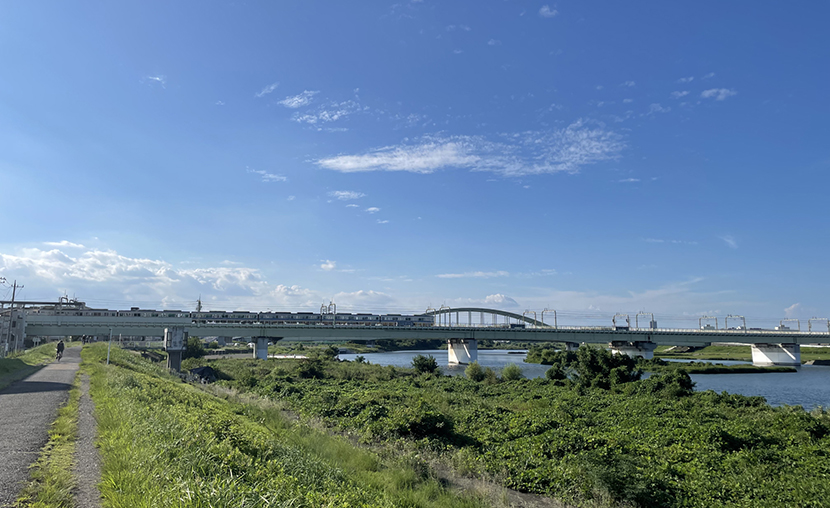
512,372
474,372
425,364
193,348
490,376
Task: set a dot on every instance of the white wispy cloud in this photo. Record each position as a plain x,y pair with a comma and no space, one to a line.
657,108
547,12
524,153
708,76
718,94
299,100
344,195
157,80
65,243
730,241
474,275
291,198
266,176
383,221
494,42
628,101
793,310
628,83
629,180
327,113
452,28
352,205
328,265
219,103
686,80
373,209
677,242
268,89
679,94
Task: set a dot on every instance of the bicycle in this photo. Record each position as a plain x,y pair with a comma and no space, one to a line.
59,355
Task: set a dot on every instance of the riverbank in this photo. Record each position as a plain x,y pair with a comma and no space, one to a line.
739,353
648,443
223,449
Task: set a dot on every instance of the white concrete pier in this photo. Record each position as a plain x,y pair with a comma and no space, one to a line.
638,349
462,351
776,354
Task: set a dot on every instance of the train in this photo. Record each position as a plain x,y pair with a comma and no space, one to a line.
243,316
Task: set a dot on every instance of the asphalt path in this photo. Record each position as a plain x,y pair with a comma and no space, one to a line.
27,409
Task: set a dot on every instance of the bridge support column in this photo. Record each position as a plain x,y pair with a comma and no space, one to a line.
643,350
571,346
462,351
175,340
776,354
261,349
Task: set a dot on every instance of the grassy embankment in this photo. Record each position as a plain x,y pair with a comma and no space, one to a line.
51,478
610,441
16,366
738,353
165,443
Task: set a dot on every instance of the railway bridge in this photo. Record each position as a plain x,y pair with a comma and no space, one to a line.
769,347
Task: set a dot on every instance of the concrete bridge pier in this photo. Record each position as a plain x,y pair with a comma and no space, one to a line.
175,340
776,354
636,349
261,349
462,351
571,346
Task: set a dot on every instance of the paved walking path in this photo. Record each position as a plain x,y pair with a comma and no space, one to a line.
27,409
87,459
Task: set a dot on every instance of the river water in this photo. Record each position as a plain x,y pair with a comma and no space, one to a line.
809,387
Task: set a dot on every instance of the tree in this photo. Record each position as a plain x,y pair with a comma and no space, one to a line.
512,372
193,348
425,364
475,372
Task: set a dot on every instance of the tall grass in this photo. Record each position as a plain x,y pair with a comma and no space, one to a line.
168,444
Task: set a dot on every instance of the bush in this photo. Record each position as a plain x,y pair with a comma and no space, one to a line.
193,348
474,372
425,364
512,372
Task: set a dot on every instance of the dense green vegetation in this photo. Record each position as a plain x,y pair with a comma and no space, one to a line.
168,444
595,434
658,365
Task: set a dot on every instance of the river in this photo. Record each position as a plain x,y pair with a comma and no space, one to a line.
809,387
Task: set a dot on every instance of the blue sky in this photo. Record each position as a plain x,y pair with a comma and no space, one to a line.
592,157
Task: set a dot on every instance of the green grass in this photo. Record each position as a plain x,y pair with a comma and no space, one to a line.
738,353
168,444
52,480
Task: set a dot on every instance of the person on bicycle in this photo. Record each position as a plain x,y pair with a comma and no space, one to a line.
60,349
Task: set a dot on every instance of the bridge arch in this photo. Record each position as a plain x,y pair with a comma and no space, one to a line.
447,311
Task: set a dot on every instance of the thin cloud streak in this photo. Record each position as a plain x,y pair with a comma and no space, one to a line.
268,89
523,153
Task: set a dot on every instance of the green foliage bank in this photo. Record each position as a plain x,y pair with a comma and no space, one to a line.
593,433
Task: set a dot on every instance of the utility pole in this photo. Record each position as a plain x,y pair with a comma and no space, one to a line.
11,312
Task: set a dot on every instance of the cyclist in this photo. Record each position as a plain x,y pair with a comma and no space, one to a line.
60,350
